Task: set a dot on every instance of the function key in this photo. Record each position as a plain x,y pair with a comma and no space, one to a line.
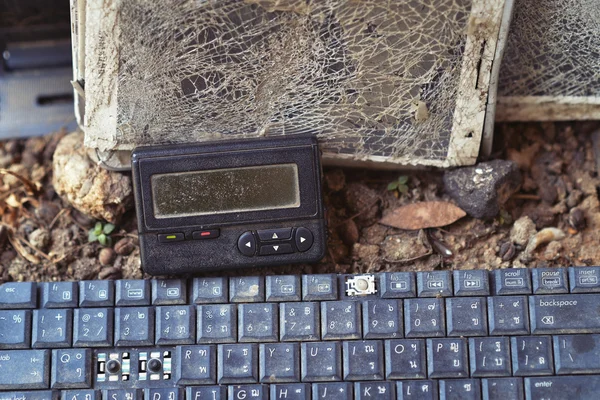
96,293
283,288
512,281
168,291
133,292
549,280
209,290
471,283
304,239
247,244
319,287
396,285
59,295
584,279
434,283
275,234
15,295
171,237
247,289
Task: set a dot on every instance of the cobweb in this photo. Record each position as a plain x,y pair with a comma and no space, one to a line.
371,77
553,49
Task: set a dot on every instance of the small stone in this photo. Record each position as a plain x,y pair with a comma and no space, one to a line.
507,251
522,230
574,198
577,219
482,189
106,256
553,251
348,232
39,238
111,273
362,202
124,246
335,180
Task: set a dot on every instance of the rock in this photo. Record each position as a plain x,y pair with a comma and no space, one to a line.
124,246
362,202
93,190
522,230
482,189
574,198
107,256
39,238
112,273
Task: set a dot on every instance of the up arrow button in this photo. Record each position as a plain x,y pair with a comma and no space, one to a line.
304,239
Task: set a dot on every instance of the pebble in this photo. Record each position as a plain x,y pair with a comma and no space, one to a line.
124,246
522,230
106,256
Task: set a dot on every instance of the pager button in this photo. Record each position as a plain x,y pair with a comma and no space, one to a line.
170,237
275,234
304,239
247,244
275,248
206,234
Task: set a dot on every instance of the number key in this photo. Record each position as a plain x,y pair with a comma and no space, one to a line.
15,329
382,319
217,323
300,321
424,317
93,327
175,325
134,326
258,322
52,328
341,320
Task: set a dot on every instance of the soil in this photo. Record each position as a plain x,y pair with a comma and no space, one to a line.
42,238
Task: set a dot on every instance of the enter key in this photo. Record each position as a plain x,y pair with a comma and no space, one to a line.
572,313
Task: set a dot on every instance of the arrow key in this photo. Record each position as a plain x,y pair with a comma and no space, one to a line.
247,244
275,234
304,239
275,248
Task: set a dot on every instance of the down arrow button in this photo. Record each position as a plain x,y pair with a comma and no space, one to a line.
304,239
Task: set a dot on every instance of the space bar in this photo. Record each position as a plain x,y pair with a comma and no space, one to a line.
562,387
565,313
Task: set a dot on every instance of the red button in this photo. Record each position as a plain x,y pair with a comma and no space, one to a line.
208,234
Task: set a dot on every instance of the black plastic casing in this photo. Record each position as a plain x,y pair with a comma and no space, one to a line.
196,256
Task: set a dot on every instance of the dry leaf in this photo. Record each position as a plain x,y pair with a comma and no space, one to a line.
13,201
16,243
428,214
32,188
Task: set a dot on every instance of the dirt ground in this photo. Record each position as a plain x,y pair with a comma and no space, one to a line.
42,238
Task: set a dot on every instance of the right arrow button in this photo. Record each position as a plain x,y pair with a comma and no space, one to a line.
304,239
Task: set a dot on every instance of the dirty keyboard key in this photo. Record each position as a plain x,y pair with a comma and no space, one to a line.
489,356
291,391
217,323
279,362
471,283
196,365
15,295
15,329
163,394
247,289
340,320
210,290
405,359
502,389
300,321
321,361
374,390
467,316
397,285
562,387
206,392
175,325
572,313
424,317
96,293
52,328
363,360
512,281
258,322
248,392
417,390
71,369
35,365
434,283
237,363
382,319
134,326
122,394
447,358
532,355
508,315
32,395
332,391
93,327
283,288
460,389
584,279
549,280
59,295
577,354
319,287
168,291
80,394
132,292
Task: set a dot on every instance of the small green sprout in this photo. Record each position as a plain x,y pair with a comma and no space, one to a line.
399,185
101,233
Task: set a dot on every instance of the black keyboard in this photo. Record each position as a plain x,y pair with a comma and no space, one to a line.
505,334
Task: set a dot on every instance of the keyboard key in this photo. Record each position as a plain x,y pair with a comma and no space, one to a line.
132,292
210,290
319,287
489,356
247,289
196,365
577,354
424,317
508,315
447,358
134,326
332,391
467,316
434,284
512,281
206,392
574,313
382,319
321,361
584,279
258,322
340,320
300,321
175,325
34,366
562,387
374,390
71,369
16,295
163,394
397,285
15,329
417,390
502,389
217,323
237,363
96,293
471,283
291,391
93,327
283,288
52,328
279,362
249,392
405,359
32,395
363,360
460,389
532,355
549,280
167,292
59,295
122,394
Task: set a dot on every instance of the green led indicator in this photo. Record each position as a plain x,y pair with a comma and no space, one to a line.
171,237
